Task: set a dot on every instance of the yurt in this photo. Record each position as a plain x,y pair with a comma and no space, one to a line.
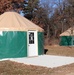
19,37
67,37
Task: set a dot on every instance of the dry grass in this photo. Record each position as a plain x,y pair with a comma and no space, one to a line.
60,50
64,70
13,68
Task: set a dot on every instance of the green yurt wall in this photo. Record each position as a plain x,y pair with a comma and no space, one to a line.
13,44
66,40
40,43
67,37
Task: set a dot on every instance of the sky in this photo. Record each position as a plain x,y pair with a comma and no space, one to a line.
52,3
22,14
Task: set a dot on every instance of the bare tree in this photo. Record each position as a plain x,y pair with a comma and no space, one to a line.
8,5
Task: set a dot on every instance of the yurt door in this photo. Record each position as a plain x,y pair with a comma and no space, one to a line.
32,43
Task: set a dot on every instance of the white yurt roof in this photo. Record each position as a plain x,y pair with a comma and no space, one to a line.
68,32
12,21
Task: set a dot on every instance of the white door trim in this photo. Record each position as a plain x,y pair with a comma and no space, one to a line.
36,44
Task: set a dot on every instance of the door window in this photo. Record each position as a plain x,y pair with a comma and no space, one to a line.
31,38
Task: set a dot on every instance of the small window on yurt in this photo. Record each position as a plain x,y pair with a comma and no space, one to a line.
31,38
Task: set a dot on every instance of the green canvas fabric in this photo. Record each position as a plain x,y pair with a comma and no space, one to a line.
40,43
13,44
66,40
